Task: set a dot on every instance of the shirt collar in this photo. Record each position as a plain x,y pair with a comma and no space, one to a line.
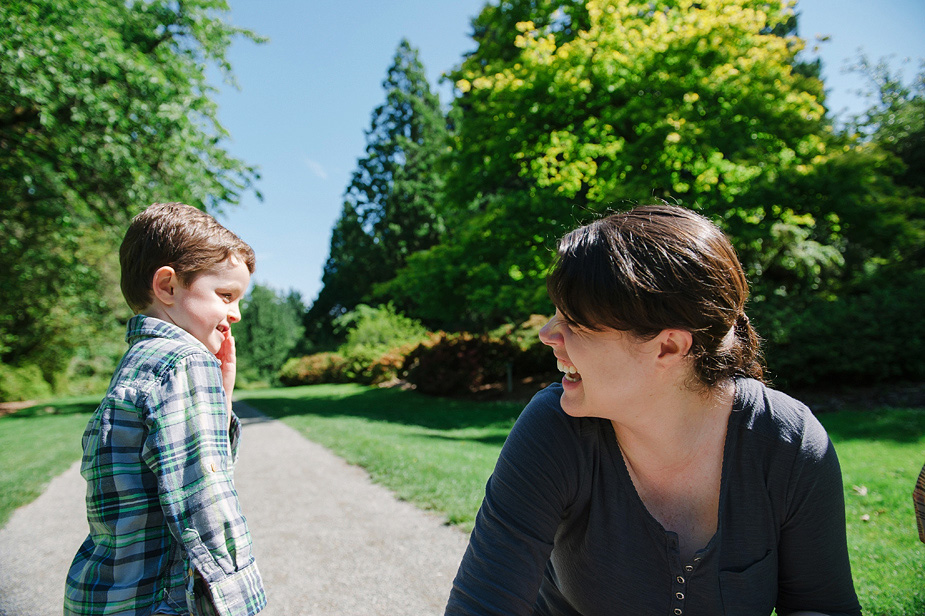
142,326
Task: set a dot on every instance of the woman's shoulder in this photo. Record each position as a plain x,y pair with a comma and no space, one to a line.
544,424
773,415
545,409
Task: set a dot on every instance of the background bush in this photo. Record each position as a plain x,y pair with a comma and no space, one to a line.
457,364
873,335
532,358
22,383
313,370
375,338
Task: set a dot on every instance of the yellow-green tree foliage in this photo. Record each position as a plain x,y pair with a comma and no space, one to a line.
601,105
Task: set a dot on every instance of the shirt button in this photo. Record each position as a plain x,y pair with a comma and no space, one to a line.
678,611
680,596
688,568
680,580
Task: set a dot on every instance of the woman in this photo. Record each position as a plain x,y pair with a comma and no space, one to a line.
661,476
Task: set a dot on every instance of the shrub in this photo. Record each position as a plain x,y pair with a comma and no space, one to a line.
872,335
455,364
22,383
390,365
313,370
375,330
376,341
532,358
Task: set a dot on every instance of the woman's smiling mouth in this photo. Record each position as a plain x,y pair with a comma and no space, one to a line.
571,372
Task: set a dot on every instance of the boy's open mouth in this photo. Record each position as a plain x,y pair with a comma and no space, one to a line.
571,372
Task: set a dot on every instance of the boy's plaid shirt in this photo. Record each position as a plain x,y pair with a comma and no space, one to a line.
158,460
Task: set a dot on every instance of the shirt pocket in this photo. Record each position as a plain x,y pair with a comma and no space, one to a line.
751,591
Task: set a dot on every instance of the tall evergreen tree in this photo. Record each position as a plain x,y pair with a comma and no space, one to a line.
391,207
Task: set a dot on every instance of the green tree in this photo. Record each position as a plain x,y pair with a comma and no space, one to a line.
896,117
104,108
619,102
390,207
270,329
875,189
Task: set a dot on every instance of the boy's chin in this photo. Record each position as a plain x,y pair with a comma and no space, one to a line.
213,342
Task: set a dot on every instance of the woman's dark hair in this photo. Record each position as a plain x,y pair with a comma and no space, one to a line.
660,267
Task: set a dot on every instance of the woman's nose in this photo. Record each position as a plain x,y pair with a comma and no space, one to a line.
549,333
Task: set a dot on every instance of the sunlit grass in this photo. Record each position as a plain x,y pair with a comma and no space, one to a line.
36,444
881,453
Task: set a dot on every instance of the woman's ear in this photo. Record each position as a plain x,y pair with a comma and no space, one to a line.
165,280
674,345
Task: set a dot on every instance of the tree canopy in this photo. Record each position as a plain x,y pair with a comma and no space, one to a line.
105,108
568,110
270,328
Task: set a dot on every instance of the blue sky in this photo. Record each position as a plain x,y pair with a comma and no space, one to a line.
306,98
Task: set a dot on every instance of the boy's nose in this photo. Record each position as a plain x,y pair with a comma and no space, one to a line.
234,315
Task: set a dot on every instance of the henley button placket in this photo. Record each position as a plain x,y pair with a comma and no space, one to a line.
678,606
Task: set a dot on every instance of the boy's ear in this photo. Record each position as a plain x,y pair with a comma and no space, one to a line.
165,280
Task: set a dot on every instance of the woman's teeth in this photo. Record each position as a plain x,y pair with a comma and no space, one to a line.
571,372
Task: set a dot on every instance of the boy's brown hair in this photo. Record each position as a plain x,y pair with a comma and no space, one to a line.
177,235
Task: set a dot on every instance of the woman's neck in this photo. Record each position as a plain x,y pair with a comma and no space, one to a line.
668,434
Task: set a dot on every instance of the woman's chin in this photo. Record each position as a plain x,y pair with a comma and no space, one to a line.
572,398
571,383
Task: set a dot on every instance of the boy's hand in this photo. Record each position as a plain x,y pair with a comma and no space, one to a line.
226,355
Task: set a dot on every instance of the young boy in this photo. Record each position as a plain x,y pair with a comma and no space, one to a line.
167,535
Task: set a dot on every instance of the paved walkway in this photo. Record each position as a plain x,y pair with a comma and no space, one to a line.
327,540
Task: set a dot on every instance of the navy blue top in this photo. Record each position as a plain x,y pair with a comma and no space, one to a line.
562,531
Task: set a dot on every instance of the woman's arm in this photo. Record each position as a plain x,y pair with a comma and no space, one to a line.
814,573
533,483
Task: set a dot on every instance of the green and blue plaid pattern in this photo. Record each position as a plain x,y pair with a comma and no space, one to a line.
158,459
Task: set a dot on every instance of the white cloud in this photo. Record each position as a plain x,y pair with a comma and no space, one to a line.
316,168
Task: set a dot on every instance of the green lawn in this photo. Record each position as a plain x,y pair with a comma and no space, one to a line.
36,444
438,454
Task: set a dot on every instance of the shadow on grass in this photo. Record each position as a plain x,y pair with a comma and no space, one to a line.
386,405
901,425
55,408
489,439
